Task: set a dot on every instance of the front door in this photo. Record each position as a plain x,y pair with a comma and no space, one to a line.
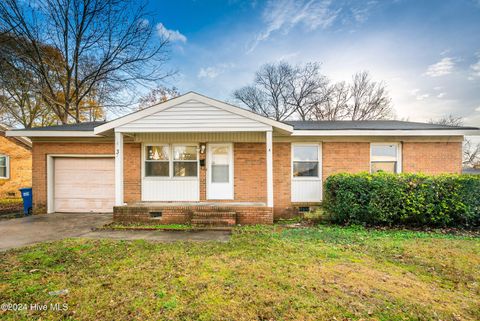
220,172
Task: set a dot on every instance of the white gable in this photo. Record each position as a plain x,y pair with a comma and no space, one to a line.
192,116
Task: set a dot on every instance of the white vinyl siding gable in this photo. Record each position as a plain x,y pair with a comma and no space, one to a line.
193,116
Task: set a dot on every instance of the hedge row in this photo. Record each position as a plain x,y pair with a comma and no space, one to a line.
405,199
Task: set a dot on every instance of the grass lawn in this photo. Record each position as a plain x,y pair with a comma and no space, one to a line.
263,273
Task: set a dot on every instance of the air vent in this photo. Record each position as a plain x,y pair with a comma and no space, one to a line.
156,214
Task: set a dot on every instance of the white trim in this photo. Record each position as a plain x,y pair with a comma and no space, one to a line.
319,155
51,176
50,133
7,167
184,98
189,130
307,182
269,147
403,132
119,169
170,161
231,171
398,158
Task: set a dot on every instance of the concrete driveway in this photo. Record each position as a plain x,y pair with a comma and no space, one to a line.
49,227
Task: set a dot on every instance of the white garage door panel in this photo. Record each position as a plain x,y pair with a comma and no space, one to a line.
84,184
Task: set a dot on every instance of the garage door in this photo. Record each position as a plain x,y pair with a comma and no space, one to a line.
84,185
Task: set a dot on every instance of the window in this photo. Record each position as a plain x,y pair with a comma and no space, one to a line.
220,164
305,161
185,161
4,166
171,161
157,161
384,157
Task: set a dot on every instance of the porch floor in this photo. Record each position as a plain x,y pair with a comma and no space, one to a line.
215,204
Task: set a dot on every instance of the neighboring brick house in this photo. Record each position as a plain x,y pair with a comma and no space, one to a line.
15,164
195,159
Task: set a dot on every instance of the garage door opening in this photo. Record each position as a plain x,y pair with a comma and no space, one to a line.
83,185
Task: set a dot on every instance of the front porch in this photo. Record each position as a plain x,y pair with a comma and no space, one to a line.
195,213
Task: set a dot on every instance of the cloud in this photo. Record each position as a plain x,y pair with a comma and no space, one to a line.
476,68
283,15
477,109
441,95
443,67
172,35
418,95
213,72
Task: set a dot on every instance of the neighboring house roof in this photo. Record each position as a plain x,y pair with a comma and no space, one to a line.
180,114
369,125
469,170
23,140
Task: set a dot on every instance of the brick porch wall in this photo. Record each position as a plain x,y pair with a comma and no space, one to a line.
183,214
132,186
432,158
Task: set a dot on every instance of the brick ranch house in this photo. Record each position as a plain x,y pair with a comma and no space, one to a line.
15,164
196,159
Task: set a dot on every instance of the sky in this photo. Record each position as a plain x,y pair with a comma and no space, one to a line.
427,52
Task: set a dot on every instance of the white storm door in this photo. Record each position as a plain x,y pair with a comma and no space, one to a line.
220,172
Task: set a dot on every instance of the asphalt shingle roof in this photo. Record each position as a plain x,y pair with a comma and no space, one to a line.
369,125
86,126
300,125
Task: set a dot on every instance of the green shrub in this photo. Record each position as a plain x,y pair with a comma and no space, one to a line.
406,199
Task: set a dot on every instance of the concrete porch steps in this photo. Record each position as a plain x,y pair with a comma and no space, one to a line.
214,219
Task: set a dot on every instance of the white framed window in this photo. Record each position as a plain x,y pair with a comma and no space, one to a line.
305,161
4,167
169,161
185,161
386,157
157,161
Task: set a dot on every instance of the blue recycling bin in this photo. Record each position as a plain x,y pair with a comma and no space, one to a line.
27,200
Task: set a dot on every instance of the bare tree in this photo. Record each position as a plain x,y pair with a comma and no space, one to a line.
20,103
84,47
282,91
157,95
448,120
471,151
269,93
332,103
307,88
369,99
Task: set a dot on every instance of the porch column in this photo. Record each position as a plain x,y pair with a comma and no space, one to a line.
269,169
118,169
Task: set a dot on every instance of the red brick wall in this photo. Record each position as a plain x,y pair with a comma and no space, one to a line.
40,151
250,173
282,187
432,158
250,167
340,157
